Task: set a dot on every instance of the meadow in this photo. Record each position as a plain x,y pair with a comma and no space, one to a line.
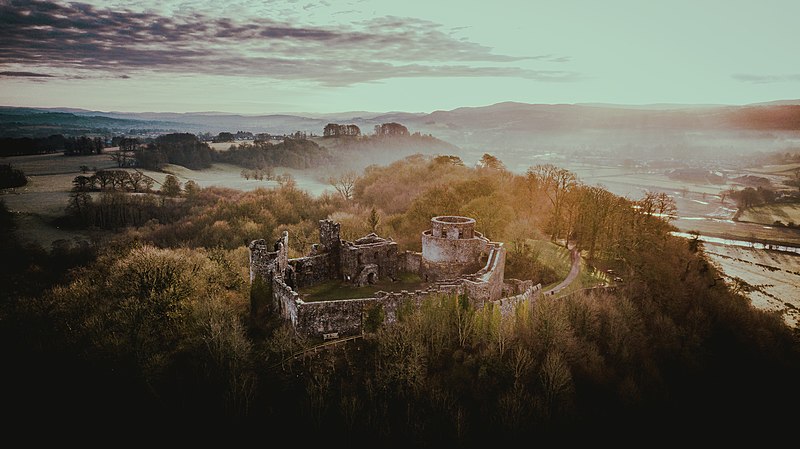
43,200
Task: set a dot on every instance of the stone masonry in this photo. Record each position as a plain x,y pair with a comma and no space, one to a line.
455,259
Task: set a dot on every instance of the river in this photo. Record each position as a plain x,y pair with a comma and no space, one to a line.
741,243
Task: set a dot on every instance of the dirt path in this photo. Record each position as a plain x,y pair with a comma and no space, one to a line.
573,272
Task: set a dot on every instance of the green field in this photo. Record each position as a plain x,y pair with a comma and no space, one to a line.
336,289
768,214
552,255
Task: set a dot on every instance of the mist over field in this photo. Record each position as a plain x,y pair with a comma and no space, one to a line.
404,224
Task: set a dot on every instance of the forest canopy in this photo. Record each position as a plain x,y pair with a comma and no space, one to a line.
153,326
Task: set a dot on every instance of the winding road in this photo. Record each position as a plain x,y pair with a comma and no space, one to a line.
573,272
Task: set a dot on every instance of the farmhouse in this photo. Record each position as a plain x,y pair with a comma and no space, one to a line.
455,259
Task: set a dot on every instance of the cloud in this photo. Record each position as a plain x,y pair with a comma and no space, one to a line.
86,38
767,79
26,74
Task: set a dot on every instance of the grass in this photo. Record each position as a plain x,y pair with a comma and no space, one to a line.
336,289
50,176
552,255
770,213
780,169
558,258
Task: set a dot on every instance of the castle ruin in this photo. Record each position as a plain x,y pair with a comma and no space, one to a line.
455,259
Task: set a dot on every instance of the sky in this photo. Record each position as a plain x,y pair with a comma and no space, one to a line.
293,56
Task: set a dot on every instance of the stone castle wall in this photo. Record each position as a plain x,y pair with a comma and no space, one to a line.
447,258
508,305
383,255
313,270
453,227
287,301
451,261
268,260
345,317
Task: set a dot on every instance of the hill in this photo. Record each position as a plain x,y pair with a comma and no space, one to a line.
662,131
30,122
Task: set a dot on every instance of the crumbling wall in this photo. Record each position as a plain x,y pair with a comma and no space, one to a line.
267,259
513,287
329,236
267,263
411,262
287,301
487,284
313,270
322,317
346,317
453,227
508,306
355,257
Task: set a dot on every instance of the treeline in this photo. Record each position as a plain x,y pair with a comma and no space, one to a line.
70,146
751,197
291,153
177,148
155,335
227,218
188,150
127,200
121,180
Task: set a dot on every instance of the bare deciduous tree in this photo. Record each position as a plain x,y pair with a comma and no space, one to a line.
555,182
344,183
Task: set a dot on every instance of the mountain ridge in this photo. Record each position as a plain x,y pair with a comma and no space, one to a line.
503,117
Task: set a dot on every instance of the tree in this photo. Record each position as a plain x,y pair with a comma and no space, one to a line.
555,182
344,183
373,220
659,204
447,159
797,177
171,186
224,137
336,130
491,162
191,188
11,177
391,129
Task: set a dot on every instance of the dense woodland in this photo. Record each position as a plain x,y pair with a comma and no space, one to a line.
69,145
149,329
291,153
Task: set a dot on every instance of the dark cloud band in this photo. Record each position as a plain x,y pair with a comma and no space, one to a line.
77,36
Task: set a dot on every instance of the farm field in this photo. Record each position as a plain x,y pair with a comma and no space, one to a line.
777,169
770,213
50,177
771,279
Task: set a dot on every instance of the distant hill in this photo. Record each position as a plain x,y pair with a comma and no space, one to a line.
563,117
30,122
661,129
506,116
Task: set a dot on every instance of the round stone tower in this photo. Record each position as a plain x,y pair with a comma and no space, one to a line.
451,248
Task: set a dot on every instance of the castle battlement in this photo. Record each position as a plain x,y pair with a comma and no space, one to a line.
455,259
